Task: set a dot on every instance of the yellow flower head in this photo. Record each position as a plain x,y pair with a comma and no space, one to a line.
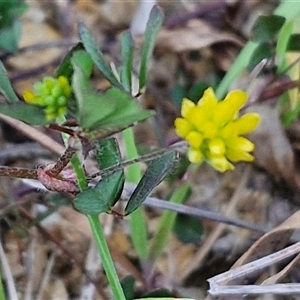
213,129
52,94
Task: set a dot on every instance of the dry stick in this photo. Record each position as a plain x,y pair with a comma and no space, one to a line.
220,284
7,274
93,266
46,277
18,172
35,134
192,211
198,258
31,270
43,139
63,160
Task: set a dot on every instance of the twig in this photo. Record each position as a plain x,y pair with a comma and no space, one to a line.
62,162
28,151
193,211
41,46
30,263
13,172
6,271
34,134
218,283
46,277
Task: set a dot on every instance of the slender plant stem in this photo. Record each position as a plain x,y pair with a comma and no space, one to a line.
166,224
237,68
2,294
143,158
99,237
107,262
138,228
81,179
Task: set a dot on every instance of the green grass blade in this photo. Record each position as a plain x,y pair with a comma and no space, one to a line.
166,224
97,56
288,9
236,69
127,50
282,44
138,228
153,26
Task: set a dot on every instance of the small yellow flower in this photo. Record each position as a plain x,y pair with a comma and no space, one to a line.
213,129
52,94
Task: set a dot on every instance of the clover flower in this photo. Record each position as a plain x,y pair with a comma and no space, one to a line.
52,94
214,130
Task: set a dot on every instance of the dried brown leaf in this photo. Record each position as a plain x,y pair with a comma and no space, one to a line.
271,241
196,35
273,150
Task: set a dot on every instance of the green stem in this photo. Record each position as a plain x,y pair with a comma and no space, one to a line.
80,175
166,223
239,65
137,222
107,262
99,237
2,294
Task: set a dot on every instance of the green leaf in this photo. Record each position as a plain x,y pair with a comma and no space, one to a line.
92,106
188,229
287,9
196,91
266,27
153,26
10,10
282,45
127,113
84,61
97,56
262,51
10,37
108,154
128,286
91,202
30,114
107,191
66,67
294,43
177,94
113,109
5,86
110,188
127,50
155,173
